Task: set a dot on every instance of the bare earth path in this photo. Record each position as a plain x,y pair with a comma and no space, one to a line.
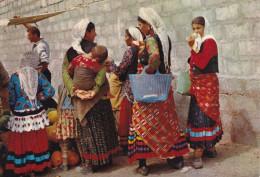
232,160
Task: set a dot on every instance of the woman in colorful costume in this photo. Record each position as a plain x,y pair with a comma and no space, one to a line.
155,131
127,66
28,149
96,131
204,128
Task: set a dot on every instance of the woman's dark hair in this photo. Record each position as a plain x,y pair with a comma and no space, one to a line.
141,20
90,27
127,32
198,20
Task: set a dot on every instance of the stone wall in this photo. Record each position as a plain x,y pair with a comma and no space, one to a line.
235,24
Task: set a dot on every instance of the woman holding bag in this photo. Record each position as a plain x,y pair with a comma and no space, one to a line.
204,128
164,138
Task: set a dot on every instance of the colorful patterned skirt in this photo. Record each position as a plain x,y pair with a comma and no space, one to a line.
28,152
98,139
125,120
137,149
202,131
66,125
155,131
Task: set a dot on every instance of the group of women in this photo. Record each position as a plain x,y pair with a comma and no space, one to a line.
146,130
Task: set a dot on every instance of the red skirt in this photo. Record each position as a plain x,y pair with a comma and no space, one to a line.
28,152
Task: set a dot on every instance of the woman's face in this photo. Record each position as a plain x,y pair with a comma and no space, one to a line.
197,28
128,40
144,27
90,36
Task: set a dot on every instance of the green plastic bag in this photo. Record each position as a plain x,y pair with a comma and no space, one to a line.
184,83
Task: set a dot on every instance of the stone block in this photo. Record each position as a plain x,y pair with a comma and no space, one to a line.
251,9
172,6
181,19
238,31
227,12
256,31
214,2
249,47
228,50
234,67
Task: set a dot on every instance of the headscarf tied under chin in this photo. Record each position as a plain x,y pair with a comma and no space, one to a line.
78,33
135,33
157,24
207,35
28,75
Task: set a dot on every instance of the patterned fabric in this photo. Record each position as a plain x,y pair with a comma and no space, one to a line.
121,69
202,131
83,61
98,139
19,100
125,120
205,87
153,52
157,124
138,149
28,151
27,123
66,125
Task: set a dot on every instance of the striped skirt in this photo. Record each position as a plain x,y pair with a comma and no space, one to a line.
137,149
202,131
28,152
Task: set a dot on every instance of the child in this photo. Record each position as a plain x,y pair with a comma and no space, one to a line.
28,146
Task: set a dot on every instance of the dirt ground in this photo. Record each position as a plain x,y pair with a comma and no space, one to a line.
233,160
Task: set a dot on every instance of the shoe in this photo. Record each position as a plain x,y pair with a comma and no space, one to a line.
64,167
211,154
176,163
197,163
95,168
144,170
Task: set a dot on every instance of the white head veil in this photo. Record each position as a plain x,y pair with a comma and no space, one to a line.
135,33
28,75
151,17
78,34
207,35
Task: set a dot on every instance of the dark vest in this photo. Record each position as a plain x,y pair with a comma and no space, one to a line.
212,66
132,69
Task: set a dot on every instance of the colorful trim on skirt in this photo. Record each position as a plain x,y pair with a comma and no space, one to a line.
137,149
66,125
202,131
27,152
98,139
125,120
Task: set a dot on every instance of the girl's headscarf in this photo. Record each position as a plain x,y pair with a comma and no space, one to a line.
157,24
28,75
78,34
207,35
135,33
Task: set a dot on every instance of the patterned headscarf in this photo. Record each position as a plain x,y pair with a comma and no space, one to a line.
157,24
28,75
78,34
135,33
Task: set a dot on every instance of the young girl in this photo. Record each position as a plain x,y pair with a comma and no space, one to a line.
204,128
28,148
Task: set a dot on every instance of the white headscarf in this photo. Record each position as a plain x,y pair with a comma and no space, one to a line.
78,34
151,17
135,33
28,75
207,35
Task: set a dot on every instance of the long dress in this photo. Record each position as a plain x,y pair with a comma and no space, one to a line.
28,149
204,127
127,66
155,130
98,138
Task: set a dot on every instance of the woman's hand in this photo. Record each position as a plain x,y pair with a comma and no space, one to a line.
89,95
139,44
191,40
